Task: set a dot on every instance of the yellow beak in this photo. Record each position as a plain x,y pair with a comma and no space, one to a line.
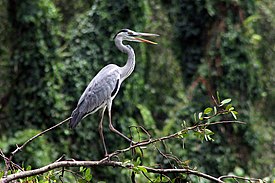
144,40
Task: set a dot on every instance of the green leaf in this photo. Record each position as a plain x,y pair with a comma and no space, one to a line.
29,167
215,110
195,117
225,101
228,107
208,110
199,135
234,113
208,138
182,134
141,168
165,179
231,108
81,181
127,162
53,178
184,124
137,162
218,96
88,175
136,170
81,169
200,116
157,179
1,174
208,132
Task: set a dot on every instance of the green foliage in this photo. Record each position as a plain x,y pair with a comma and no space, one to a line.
86,174
41,150
35,93
147,117
4,60
217,44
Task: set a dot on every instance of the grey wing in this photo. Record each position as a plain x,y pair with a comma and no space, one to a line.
103,87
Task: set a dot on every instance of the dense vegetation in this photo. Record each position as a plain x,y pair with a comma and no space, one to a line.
51,49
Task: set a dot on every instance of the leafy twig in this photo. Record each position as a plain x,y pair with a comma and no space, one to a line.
175,135
61,164
106,161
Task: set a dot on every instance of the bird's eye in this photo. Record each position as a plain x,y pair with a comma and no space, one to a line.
130,33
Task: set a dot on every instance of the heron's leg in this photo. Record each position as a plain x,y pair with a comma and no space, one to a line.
111,125
100,129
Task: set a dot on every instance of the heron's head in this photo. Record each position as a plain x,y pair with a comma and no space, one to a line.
129,35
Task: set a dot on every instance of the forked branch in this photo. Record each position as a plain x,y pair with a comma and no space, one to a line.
106,161
62,164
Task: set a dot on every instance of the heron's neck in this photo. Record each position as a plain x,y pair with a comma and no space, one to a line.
128,68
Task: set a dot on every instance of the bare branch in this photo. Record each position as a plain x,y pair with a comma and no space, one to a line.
19,148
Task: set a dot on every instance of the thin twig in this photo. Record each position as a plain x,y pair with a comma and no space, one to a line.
142,128
175,135
166,156
238,177
19,148
187,171
9,164
60,158
145,131
144,174
74,174
215,101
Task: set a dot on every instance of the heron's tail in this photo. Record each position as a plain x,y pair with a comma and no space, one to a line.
76,117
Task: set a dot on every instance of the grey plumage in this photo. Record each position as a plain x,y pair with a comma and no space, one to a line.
97,92
105,85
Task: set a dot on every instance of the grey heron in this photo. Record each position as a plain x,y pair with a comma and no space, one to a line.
103,88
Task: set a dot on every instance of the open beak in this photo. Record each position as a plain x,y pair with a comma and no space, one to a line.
144,40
